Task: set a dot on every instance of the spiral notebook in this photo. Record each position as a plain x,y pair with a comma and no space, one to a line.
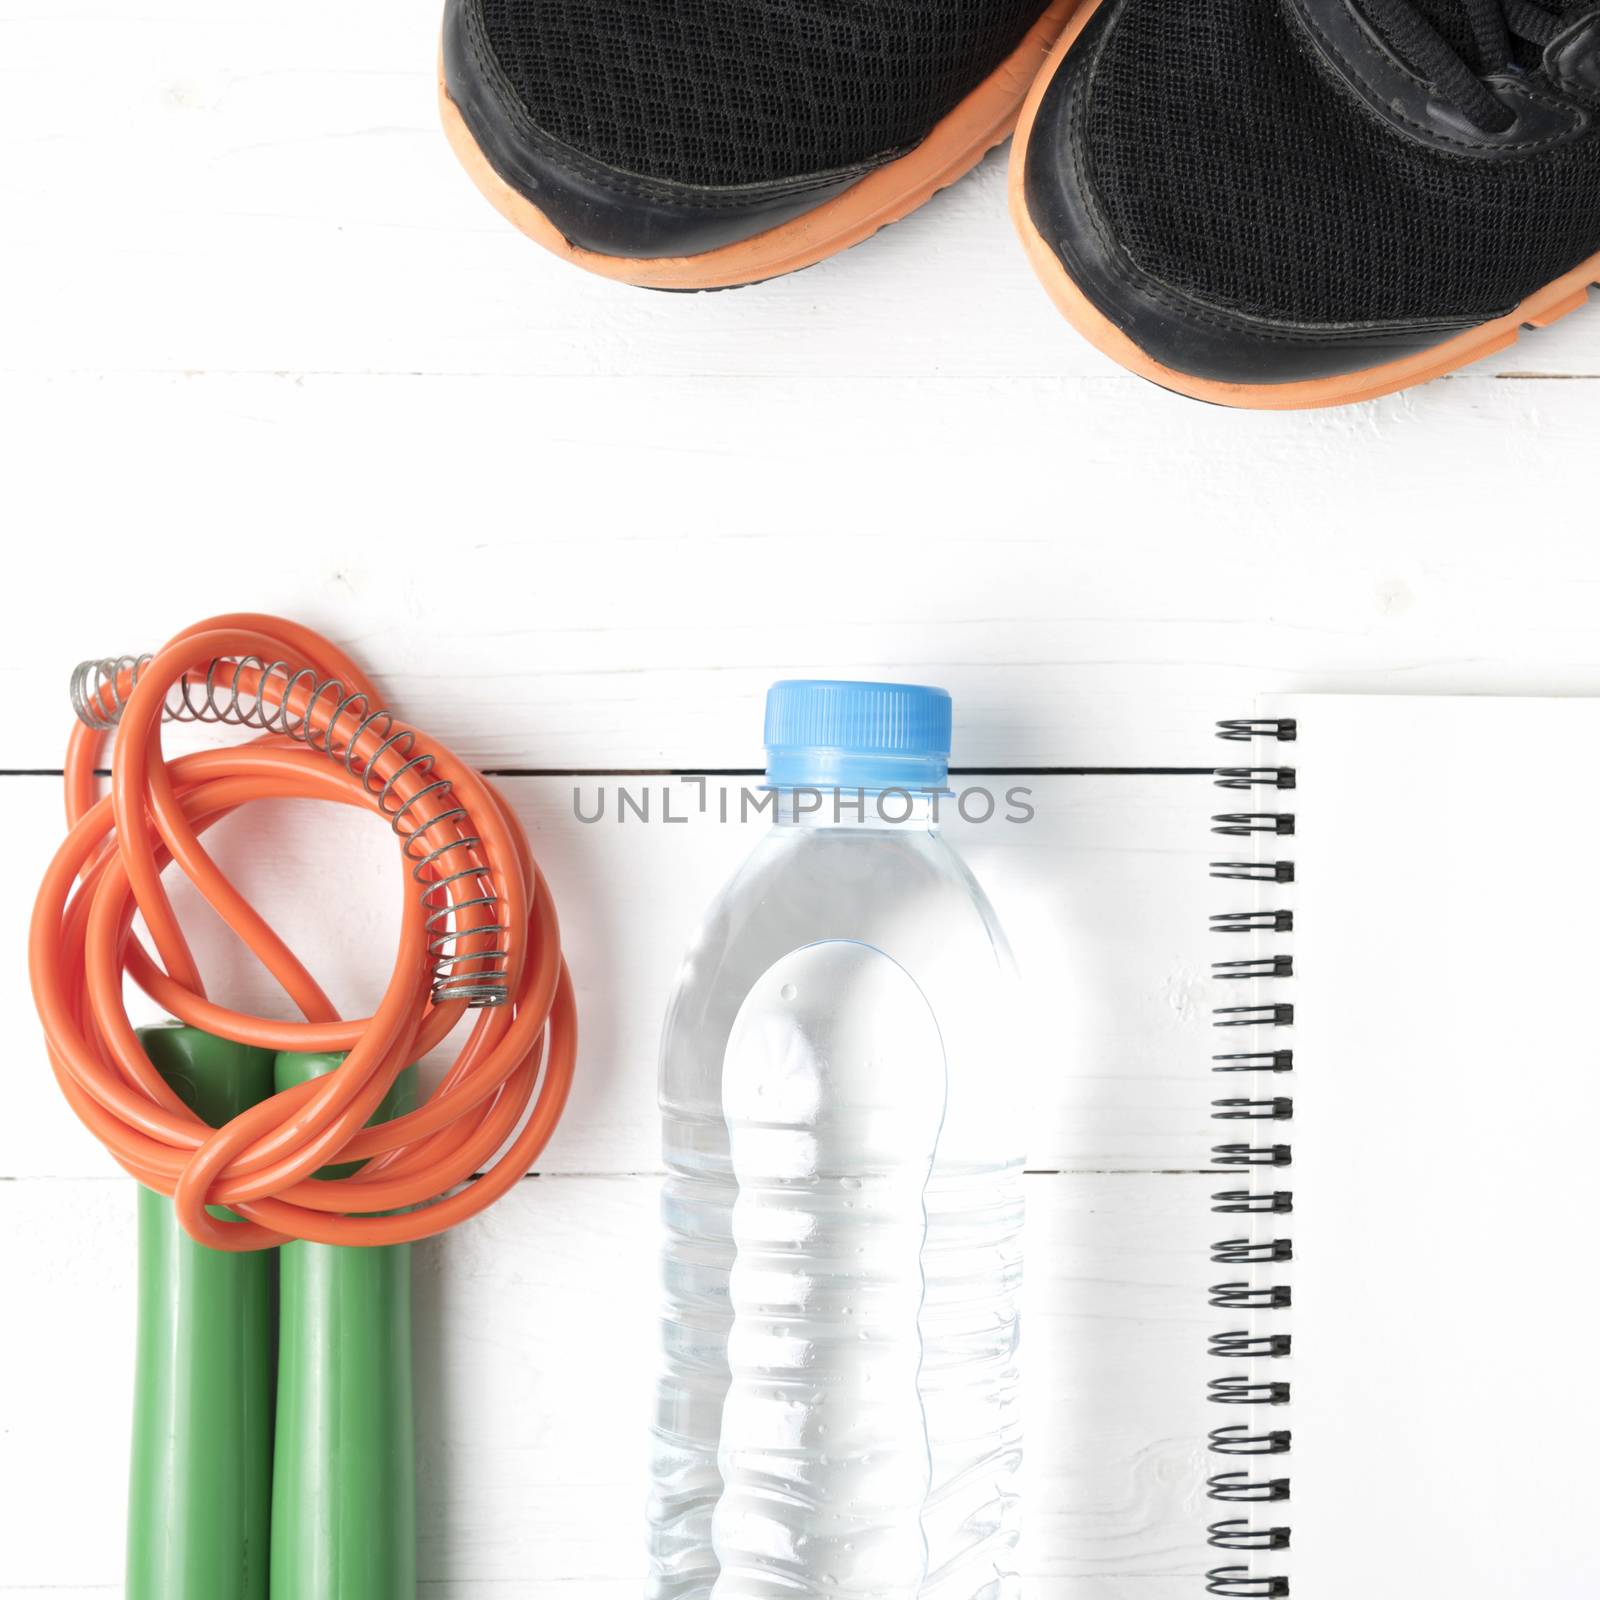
1405,1365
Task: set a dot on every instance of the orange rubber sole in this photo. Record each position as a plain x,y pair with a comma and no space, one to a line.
1550,304
956,145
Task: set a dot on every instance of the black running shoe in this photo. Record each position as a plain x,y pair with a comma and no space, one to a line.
1284,203
698,144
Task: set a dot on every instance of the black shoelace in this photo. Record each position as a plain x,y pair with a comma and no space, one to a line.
1496,27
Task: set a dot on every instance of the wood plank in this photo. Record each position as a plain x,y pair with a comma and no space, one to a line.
1039,1588
608,574
1104,895
535,1355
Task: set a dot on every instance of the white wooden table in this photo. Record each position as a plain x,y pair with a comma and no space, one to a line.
262,347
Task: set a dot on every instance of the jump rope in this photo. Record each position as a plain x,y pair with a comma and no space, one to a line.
256,1138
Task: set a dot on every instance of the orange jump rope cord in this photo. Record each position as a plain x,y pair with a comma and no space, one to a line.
466,855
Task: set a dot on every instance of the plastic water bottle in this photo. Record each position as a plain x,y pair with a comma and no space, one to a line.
837,1412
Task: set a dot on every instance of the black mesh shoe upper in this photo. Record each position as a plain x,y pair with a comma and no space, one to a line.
715,93
1230,165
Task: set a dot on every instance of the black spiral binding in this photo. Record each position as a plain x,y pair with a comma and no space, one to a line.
1266,1009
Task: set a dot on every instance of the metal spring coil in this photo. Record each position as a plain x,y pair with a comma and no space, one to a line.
223,695
1238,1533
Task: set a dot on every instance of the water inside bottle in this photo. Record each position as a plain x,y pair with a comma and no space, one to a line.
834,1092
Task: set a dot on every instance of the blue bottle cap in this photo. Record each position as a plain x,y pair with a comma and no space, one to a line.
825,733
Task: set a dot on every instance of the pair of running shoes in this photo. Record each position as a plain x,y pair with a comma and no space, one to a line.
1263,203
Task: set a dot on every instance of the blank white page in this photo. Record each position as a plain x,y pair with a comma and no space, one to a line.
1446,1136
